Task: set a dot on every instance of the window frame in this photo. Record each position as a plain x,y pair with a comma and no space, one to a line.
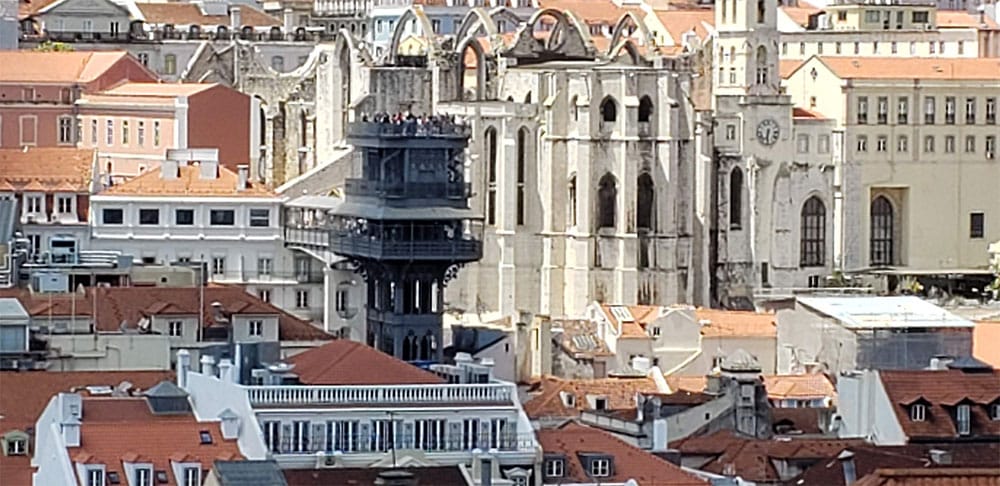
600,468
255,328
145,213
106,211
212,221
555,467
255,220
918,412
812,236
977,225
177,219
175,328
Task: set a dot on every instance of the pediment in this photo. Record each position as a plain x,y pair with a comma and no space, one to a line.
86,7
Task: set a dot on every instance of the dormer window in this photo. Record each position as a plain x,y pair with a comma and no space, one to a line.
600,403
17,447
555,467
95,477
569,399
206,438
963,419
918,412
995,411
656,331
192,476
114,478
143,476
600,468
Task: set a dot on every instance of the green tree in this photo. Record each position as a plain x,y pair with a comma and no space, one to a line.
49,46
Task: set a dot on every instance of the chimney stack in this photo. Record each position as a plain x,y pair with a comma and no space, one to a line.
486,472
208,365
659,434
846,459
226,370
183,366
243,171
288,20
169,169
71,408
235,19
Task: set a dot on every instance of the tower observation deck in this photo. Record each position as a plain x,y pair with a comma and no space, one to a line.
407,226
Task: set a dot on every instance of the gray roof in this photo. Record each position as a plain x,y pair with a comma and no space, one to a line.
12,311
8,218
166,389
369,211
884,312
249,473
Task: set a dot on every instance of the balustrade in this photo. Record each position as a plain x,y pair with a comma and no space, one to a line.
391,395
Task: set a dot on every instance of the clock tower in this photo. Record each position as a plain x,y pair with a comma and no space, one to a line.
752,141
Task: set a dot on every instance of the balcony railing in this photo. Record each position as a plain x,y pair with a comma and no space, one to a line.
408,129
442,190
388,395
372,247
370,443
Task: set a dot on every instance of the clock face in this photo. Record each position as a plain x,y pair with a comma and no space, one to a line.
768,131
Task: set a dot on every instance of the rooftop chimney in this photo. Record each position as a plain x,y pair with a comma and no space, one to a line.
226,370
235,18
243,172
183,366
169,169
71,411
209,169
208,365
659,434
486,472
846,459
288,20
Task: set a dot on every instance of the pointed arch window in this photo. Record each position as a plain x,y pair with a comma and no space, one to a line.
645,202
813,236
645,109
882,231
522,155
491,176
609,110
762,65
736,199
607,194
571,190
761,11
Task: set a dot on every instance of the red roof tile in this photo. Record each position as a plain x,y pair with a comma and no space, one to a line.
985,337
619,392
343,362
868,458
46,169
116,430
188,183
177,13
131,304
630,462
799,387
57,67
23,396
932,477
726,323
942,391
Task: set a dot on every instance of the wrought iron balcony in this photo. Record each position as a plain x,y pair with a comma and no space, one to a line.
417,190
374,247
409,129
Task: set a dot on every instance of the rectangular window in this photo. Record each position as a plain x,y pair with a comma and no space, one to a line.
65,130
256,328
149,216
156,133
109,138
175,328
302,299
28,94
872,16
192,476
113,216
260,218
977,225
823,146
970,144
264,266
272,435
264,295
991,111
949,144
93,132
140,134
970,111
961,48
991,146
730,132
219,265
949,110
894,47
64,204
963,416
802,144
932,47
33,204
903,111
837,46
883,110
929,144
862,143
125,132
430,434
882,143
143,476
222,217
920,17
600,468
857,48
902,144
929,110
862,110
184,217
95,477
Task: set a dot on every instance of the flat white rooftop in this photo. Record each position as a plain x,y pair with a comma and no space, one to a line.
884,312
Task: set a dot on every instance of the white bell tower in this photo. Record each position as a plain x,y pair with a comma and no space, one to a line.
746,56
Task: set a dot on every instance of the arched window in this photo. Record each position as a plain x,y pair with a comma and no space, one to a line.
645,197
607,194
427,347
645,109
410,347
527,98
522,155
571,197
736,199
572,106
813,237
882,231
761,10
491,176
762,65
609,110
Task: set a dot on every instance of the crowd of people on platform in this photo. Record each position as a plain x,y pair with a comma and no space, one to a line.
410,124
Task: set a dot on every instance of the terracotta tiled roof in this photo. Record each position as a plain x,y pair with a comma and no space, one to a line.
802,113
957,19
636,328
573,440
786,68
579,339
868,458
131,304
799,387
968,69
177,13
752,459
932,477
159,89
686,383
619,392
942,391
984,342
344,362
677,22
590,11
46,169
188,183
800,15
724,323
117,430
430,475
24,395
56,67
27,8
805,420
